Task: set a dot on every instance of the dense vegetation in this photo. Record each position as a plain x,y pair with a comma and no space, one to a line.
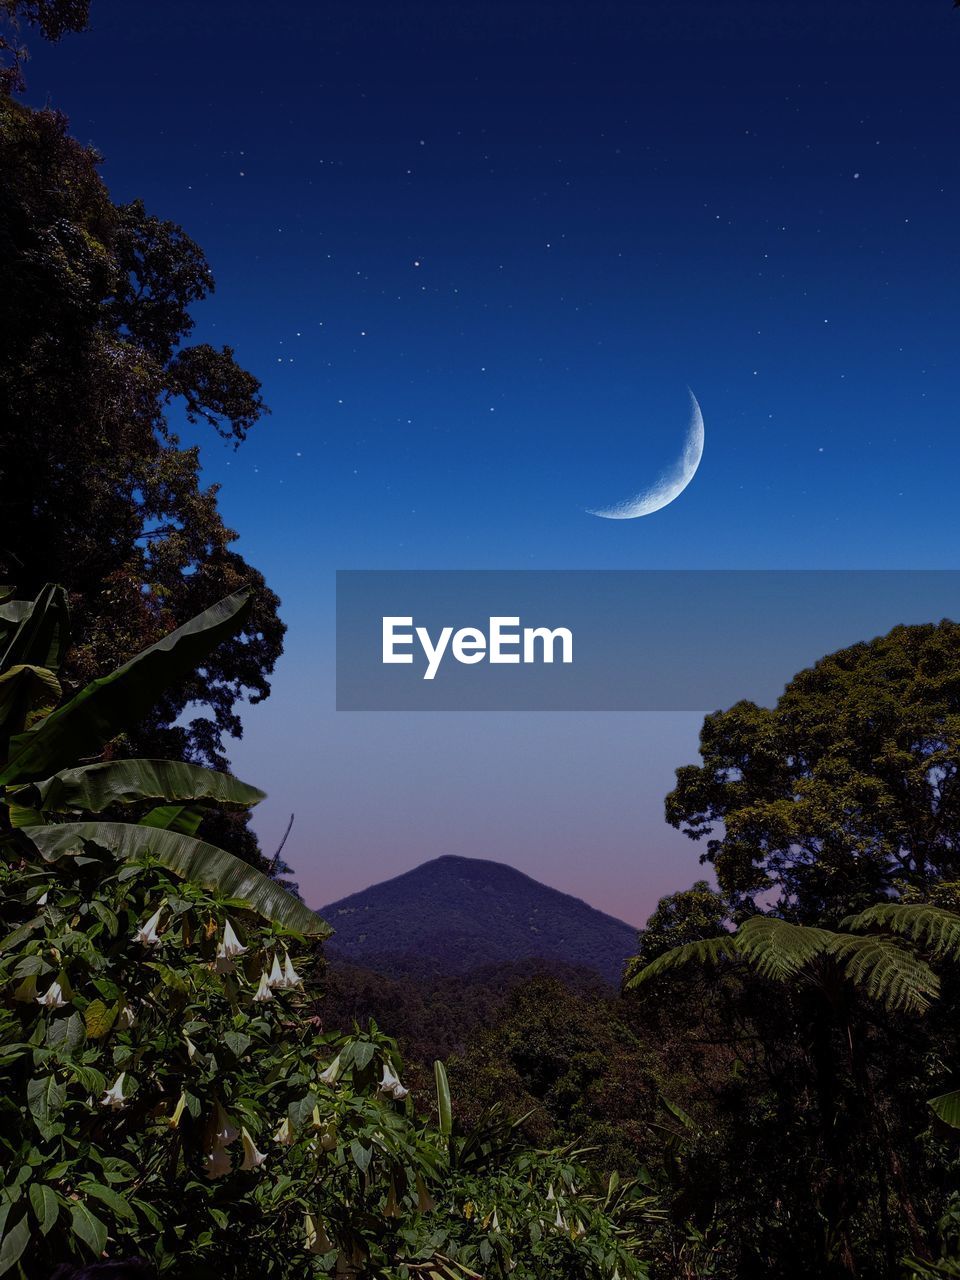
167,1089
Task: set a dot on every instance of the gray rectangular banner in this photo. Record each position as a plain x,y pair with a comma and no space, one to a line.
608,640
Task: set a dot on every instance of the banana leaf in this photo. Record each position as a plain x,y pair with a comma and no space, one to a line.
174,817
43,631
115,702
947,1107
27,694
95,787
192,859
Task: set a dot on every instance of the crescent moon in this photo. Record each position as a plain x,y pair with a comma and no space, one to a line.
670,484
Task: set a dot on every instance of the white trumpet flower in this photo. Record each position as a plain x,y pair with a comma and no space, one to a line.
263,991
113,1097
290,976
252,1158
127,1017
550,1194
390,1085
317,1240
230,945
52,998
329,1076
217,1162
559,1220
284,1134
276,973
147,933
42,900
178,1111
225,1131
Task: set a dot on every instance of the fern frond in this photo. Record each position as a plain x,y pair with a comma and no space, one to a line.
887,972
704,951
778,949
934,928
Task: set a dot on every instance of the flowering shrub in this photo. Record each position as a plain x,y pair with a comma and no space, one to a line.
166,1089
167,1092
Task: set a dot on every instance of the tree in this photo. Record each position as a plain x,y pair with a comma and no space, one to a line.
53,19
686,916
95,317
853,1062
845,789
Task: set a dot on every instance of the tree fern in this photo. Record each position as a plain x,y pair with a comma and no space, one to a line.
705,951
883,969
887,972
778,949
933,928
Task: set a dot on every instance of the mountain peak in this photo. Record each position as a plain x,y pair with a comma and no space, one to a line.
452,915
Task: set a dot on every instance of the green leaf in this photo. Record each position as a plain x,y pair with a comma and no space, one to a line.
301,1110
43,1199
707,951
361,1155
935,928
110,1198
779,949
443,1098
27,694
45,1099
98,1019
20,934
107,706
194,860
15,1240
151,1215
117,1170
362,1053
88,1227
888,972
43,632
96,787
947,1108
21,817
174,817
237,1042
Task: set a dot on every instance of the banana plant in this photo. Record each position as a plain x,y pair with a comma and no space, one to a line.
53,798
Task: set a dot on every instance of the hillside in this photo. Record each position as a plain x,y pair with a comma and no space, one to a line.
452,916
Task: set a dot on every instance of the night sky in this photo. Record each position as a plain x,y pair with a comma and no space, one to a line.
477,254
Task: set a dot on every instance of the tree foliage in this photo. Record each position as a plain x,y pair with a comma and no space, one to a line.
688,916
95,363
52,18
848,786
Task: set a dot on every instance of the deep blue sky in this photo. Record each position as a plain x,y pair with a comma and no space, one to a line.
476,253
